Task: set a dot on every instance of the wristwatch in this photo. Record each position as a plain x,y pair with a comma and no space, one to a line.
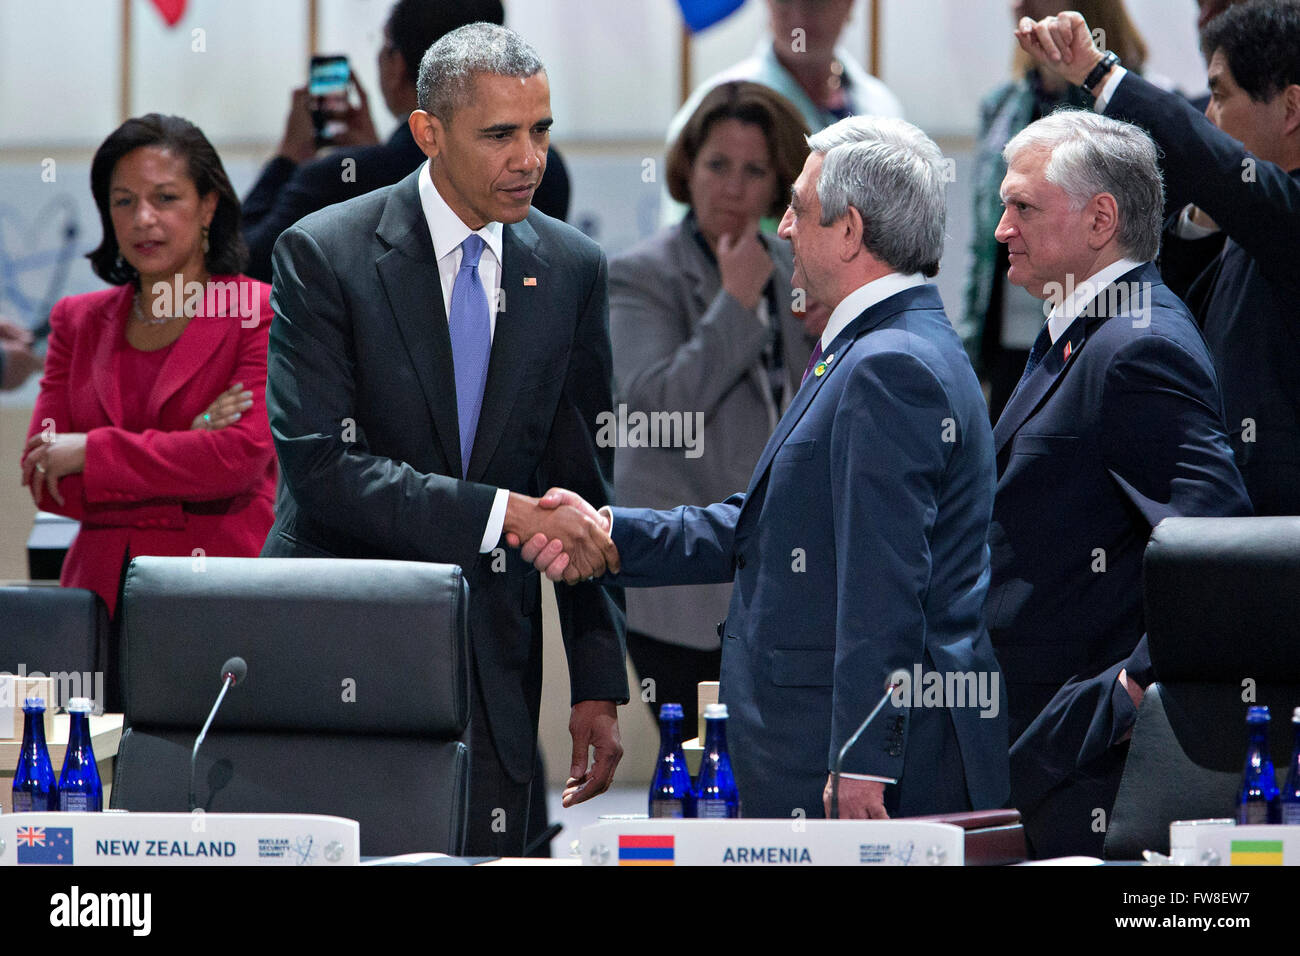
1101,69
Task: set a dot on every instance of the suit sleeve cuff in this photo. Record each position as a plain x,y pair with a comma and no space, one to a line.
1184,228
867,776
496,521
1108,88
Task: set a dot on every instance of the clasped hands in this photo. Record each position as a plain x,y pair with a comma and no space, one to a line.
562,535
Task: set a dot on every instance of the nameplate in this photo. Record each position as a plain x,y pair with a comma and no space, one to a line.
794,842
178,839
1223,843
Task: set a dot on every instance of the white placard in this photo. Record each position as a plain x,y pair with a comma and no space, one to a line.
1222,843
178,839
794,842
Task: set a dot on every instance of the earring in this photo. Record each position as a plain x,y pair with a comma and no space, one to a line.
121,263
203,231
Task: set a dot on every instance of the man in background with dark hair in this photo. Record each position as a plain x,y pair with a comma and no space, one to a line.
1235,170
295,182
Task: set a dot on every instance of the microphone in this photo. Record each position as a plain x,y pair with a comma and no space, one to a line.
896,680
233,672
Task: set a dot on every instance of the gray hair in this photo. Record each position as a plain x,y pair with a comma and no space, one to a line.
893,175
448,68
1092,154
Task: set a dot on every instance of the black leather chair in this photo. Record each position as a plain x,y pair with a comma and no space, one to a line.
355,704
1223,624
56,631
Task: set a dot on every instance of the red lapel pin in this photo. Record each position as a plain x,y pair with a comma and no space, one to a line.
1069,347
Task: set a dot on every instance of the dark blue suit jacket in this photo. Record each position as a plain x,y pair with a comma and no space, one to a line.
1094,450
1246,299
859,548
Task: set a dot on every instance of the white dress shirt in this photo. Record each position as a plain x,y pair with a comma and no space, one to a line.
1065,312
863,298
448,232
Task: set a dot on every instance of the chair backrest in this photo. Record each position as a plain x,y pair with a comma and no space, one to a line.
59,632
355,703
1222,602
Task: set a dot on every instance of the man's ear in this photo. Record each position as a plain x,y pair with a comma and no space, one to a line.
1291,105
1104,220
850,230
429,133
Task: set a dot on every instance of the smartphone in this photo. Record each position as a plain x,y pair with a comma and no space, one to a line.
327,84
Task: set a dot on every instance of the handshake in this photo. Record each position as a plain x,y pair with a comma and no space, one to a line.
562,535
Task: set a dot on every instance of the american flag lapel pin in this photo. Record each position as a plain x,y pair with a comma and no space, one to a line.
530,280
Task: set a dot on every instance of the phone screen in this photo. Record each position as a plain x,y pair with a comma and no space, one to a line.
327,84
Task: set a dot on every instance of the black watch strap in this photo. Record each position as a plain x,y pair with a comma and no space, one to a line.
1101,69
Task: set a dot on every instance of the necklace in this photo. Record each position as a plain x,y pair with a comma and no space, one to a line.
138,313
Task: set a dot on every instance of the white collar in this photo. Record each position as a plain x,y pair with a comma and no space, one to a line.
445,227
863,298
1078,296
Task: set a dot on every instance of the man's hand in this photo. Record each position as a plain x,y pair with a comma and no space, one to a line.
299,142
1135,693
859,799
1062,45
561,534
593,724
45,462
360,126
19,359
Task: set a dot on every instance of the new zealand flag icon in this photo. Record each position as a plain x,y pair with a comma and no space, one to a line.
52,845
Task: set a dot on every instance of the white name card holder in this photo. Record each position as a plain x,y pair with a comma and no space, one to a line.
1223,843
178,839
794,842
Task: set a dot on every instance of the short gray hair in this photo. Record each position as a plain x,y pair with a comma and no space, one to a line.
893,175
448,68
1092,154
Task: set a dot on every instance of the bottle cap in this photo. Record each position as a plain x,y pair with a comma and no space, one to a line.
34,704
80,705
674,712
715,711
1257,715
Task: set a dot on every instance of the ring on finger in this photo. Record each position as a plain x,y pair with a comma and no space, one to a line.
40,468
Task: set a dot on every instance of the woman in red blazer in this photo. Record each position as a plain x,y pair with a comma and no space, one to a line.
150,428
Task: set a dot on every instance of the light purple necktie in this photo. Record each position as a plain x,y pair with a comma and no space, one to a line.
471,343
812,360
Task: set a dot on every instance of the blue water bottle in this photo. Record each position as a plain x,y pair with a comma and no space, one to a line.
670,790
1291,792
35,788
79,785
1259,794
716,794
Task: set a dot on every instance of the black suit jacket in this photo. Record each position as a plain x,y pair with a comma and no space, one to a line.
285,191
1245,299
362,400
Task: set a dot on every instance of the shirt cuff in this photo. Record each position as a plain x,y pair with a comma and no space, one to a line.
608,512
496,521
867,776
1184,228
1108,90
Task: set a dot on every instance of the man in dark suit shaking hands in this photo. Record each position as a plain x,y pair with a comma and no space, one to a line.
1116,424
860,547
439,351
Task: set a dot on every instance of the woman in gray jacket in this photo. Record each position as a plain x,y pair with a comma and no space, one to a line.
710,344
